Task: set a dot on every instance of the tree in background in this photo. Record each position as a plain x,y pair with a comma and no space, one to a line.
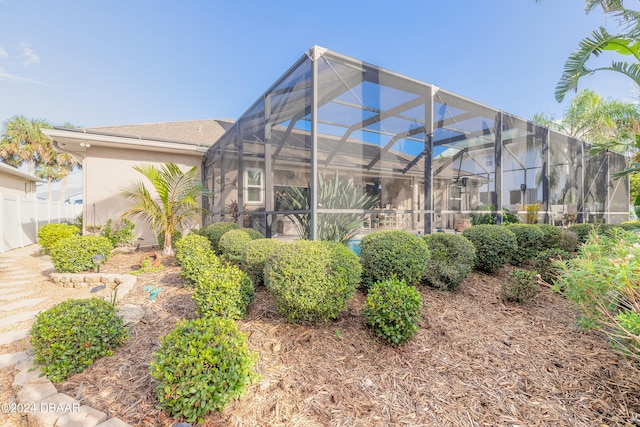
175,203
605,123
23,142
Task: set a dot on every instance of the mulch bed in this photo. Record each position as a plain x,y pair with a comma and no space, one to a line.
475,361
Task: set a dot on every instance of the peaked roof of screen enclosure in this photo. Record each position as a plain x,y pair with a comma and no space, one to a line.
359,115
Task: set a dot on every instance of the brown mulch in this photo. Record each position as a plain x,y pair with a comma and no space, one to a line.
475,361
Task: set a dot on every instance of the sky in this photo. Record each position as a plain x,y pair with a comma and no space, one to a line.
100,63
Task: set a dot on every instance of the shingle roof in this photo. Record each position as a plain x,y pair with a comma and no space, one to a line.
196,132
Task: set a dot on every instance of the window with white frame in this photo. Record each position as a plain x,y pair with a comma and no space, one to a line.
254,183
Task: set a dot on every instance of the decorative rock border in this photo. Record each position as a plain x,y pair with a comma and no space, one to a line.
37,397
121,284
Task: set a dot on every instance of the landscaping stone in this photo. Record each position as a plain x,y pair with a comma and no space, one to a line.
13,336
13,297
22,303
85,417
19,317
28,377
33,393
11,359
131,314
50,409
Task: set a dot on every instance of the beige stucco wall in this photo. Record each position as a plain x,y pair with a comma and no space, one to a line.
106,171
15,186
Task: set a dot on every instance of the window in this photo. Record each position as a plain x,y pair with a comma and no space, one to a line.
254,185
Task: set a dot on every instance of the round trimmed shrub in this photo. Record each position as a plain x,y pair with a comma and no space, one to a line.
195,256
202,365
551,236
392,310
312,280
521,287
68,337
384,254
494,246
223,291
215,231
254,257
232,242
451,260
543,263
569,241
583,230
74,254
529,238
50,234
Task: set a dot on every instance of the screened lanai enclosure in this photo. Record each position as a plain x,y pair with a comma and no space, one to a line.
339,143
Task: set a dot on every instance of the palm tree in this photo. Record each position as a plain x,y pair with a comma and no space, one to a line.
626,43
23,142
174,204
605,123
50,172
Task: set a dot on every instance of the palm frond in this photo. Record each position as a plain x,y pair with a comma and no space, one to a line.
575,66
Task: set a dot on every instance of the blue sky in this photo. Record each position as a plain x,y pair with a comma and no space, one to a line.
117,62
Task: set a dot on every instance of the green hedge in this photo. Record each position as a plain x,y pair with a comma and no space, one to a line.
223,291
494,246
312,280
452,258
68,337
255,255
232,242
50,234
530,239
195,256
388,253
215,231
202,365
74,254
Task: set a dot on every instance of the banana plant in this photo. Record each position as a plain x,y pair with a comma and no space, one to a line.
333,193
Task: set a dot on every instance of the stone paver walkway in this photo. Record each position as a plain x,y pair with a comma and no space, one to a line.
20,302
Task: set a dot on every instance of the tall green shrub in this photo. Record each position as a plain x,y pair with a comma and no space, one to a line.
529,238
202,365
388,253
223,291
312,280
195,256
75,254
551,236
494,246
452,258
50,234
255,255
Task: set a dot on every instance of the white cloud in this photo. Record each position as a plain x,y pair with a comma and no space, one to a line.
29,56
4,76
3,52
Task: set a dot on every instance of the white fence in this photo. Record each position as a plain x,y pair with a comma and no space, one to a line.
21,218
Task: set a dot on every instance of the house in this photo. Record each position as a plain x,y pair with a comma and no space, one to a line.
430,157
15,182
108,155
